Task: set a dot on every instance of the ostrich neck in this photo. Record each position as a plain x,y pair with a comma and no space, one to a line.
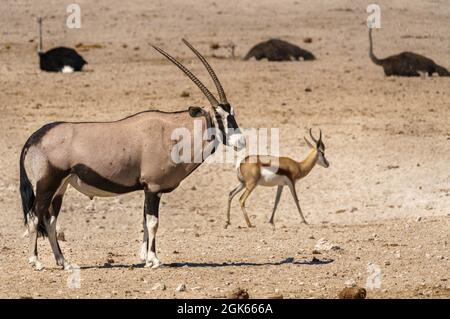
371,54
39,37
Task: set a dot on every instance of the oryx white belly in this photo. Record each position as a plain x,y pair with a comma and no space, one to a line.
270,178
88,190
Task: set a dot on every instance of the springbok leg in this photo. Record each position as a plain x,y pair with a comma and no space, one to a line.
151,211
277,200
242,200
294,195
233,193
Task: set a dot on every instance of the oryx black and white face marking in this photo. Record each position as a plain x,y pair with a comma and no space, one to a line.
228,127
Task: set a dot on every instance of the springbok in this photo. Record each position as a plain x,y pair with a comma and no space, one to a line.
267,170
113,158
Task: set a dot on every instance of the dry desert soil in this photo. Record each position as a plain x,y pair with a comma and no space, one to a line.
384,201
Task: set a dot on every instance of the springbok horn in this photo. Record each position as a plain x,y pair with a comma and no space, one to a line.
320,135
222,97
212,100
312,137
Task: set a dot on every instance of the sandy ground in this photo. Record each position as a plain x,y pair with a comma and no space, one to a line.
384,200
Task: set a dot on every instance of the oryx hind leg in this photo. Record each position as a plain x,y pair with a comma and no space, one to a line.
50,225
46,208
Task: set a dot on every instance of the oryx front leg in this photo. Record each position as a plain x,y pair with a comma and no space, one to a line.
50,226
294,195
151,213
277,200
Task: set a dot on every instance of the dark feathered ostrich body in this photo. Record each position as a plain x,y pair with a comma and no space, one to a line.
406,63
60,59
278,50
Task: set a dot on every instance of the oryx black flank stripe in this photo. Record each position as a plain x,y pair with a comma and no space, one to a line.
92,178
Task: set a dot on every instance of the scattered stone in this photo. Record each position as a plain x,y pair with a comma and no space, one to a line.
387,263
418,219
159,286
238,293
185,94
393,166
354,209
340,211
350,283
110,261
308,90
275,295
308,40
180,288
323,244
353,293
61,236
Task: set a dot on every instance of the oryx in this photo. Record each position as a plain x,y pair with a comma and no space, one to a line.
113,158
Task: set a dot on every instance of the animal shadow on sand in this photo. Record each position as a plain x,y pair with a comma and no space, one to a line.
289,260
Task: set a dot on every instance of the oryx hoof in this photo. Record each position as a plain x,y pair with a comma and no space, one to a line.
35,263
153,264
143,255
67,266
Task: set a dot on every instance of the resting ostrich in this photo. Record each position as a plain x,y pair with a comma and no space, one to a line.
278,50
60,59
406,63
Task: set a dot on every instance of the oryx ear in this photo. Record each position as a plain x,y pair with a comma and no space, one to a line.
195,111
308,142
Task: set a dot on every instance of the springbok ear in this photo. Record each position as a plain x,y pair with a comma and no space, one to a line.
195,111
309,143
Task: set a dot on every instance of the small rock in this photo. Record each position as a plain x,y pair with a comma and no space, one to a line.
387,263
323,244
353,293
238,293
308,40
159,286
61,236
418,219
393,166
185,94
180,288
308,90
350,283
110,261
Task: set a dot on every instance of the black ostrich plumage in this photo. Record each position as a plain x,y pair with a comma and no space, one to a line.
54,60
